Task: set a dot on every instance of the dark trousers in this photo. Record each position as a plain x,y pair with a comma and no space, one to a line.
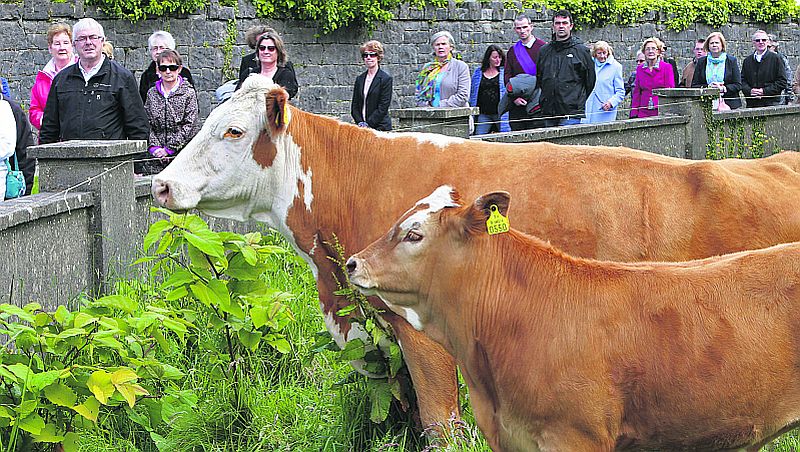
519,119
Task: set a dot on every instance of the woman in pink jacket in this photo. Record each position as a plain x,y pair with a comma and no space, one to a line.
59,43
654,73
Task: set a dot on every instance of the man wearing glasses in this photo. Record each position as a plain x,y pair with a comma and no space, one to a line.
763,74
96,99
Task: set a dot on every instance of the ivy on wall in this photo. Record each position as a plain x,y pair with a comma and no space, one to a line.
334,14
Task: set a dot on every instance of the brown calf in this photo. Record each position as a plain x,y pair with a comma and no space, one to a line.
570,354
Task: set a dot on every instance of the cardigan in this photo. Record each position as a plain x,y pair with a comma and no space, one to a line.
473,94
732,80
379,97
454,86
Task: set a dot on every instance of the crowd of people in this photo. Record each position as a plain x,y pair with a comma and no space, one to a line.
82,93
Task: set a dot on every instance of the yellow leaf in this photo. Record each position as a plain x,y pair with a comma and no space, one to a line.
123,375
88,409
101,386
130,391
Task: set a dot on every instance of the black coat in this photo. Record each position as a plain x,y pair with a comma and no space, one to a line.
107,108
565,73
379,98
284,76
732,80
150,77
768,74
24,139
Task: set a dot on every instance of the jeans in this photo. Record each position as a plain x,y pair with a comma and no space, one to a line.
562,122
486,123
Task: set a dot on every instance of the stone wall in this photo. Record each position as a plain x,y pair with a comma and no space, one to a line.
327,65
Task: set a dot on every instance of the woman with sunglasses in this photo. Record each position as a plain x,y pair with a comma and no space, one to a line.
271,56
372,92
172,109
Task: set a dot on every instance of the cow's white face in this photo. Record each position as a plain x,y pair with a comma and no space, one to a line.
241,165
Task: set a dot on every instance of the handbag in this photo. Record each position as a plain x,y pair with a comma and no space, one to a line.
15,180
720,105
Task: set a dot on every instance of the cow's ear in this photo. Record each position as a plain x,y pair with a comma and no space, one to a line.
482,208
277,110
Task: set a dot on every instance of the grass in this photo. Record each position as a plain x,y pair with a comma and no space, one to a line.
301,401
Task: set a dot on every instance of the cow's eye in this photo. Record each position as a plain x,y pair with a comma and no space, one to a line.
412,236
233,132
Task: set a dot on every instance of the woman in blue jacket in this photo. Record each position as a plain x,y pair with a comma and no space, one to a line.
486,90
609,89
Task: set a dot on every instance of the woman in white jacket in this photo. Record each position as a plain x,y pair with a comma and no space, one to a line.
609,89
8,140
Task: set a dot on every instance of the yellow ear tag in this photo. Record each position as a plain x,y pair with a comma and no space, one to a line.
497,223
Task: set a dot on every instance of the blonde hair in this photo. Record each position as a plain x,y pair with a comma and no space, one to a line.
602,45
108,50
373,46
719,35
659,44
56,29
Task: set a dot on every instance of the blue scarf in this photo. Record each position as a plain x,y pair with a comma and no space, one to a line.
715,68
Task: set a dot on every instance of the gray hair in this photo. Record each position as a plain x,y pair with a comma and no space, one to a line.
444,33
87,23
161,35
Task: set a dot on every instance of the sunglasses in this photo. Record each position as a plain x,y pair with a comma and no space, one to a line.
640,61
270,48
369,55
171,67
760,40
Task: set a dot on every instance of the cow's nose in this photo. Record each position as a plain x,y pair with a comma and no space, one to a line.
161,192
351,265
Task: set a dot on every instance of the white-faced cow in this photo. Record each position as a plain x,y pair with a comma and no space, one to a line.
311,177
570,354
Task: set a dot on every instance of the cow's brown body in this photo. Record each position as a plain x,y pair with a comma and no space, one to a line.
567,354
610,203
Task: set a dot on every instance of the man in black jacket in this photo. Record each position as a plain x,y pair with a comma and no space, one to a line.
565,73
95,99
763,74
158,42
24,139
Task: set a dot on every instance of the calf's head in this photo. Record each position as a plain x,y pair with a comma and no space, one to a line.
421,257
232,166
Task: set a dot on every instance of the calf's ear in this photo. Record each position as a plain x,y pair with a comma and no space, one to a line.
479,212
277,110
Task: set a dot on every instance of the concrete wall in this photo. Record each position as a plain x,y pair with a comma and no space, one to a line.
327,65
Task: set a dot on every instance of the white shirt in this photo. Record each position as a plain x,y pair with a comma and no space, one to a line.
8,141
91,72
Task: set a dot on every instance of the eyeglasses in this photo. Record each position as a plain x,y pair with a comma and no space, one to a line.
93,38
369,55
171,67
760,40
270,48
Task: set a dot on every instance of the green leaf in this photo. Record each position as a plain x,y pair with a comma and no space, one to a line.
240,268
88,409
380,399
71,332
61,395
119,302
49,434
161,340
250,339
62,314
82,319
204,295
42,319
40,380
155,232
258,314
21,371
17,311
101,386
280,344
33,424
70,443
347,310
26,408
179,278
109,342
220,290
395,359
175,326
177,294
206,241
353,349
250,255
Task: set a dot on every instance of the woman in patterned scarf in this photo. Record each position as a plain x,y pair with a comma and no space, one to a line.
444,82
719,70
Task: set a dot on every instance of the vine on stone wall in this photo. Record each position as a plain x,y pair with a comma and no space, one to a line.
727,138
228,72
334,14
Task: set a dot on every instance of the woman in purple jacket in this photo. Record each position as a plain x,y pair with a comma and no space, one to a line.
654,73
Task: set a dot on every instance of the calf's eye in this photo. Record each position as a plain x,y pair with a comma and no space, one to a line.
233,132
412,236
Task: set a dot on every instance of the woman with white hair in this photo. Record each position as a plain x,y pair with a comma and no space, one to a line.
158,42
609,89
653,74
444,82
